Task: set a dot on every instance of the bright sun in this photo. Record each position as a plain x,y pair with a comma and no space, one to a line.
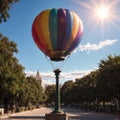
102,12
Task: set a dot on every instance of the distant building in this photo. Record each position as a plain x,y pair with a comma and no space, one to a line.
39,78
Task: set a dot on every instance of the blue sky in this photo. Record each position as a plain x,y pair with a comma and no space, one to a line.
100,37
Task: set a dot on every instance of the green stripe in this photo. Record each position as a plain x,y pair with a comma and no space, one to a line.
53,28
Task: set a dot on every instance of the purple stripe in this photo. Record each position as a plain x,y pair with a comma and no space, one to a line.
61,28
69,22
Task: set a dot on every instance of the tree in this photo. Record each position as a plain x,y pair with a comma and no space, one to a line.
85,88
11,71
35,93
109,78
50,92
66,93
31,92
5,6
15,88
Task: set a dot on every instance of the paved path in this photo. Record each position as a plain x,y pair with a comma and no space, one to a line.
29,115
75,114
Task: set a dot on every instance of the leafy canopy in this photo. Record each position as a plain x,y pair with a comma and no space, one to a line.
5,6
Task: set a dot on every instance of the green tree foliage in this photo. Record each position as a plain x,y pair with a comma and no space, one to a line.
66,92
84,89
31,92
109,78
50,92
11,72
5,6
35,91
14,86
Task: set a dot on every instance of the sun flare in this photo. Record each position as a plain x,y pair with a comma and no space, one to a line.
102,12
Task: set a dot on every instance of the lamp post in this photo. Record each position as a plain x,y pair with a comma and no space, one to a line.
57,114
57,97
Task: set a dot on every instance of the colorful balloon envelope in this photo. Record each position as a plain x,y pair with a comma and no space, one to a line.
57,32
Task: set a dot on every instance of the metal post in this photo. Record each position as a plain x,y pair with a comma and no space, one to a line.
57,114
57,97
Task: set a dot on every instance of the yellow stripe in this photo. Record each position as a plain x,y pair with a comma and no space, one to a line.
45,29
75,27
39,28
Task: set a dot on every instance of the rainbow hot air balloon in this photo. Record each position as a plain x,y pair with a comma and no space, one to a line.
57,32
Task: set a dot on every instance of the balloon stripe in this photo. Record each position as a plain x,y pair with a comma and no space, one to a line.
53,28
45,29
75,27
40,28
76,42
35,33
69,20
39,44
61,28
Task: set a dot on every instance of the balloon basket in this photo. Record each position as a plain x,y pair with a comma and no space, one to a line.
57,59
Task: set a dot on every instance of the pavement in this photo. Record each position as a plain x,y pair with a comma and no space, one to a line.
75,114
36,112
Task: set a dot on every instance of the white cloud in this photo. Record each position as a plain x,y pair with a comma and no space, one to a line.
49,77
91,47
72,75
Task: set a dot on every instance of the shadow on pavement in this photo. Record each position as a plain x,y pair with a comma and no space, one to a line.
27,117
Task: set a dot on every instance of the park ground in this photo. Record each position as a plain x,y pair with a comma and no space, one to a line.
73,113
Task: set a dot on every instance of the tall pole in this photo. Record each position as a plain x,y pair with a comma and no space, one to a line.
57,97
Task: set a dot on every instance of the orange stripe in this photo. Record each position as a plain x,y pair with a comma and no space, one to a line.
40,27
45,29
